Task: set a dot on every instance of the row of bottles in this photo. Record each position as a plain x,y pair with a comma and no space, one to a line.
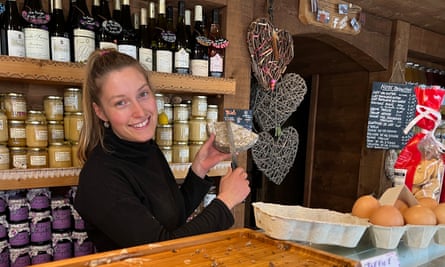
153,39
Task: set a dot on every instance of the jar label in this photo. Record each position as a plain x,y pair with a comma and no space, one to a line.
20,239
84,248
41,135
62,156
62,250
37,160
20,214
61,219
41,258
19,161
17,133
4,258
41,231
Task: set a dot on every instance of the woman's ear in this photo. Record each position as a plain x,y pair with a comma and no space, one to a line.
99,112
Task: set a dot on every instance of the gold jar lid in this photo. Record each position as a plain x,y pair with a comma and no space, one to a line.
12,94
180,143
34,122
16,123
72,89
54,122
52,97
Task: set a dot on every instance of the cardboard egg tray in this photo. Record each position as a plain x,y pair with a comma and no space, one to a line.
319,226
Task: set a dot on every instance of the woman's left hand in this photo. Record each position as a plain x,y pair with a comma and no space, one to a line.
207,157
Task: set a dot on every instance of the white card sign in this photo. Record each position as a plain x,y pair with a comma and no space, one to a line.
389,259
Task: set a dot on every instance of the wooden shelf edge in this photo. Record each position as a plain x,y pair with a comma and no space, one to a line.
20,179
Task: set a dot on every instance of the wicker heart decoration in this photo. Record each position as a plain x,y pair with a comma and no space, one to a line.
272,108
275,157
271,50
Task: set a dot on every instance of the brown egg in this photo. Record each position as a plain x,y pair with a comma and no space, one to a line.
401,205
387,215
364,206
440,213
419,215
428,202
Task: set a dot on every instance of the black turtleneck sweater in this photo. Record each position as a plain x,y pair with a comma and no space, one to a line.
128,196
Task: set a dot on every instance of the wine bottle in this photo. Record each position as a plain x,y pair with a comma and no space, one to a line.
12,37
117,14
95,10
127,42
36,30
145,48
182,53
163,54
60,39
109,29
83,27
216,49
199,64
188,26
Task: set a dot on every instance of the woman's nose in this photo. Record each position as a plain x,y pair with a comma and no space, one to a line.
138,109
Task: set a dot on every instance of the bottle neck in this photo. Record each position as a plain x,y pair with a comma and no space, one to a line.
143,17
152,11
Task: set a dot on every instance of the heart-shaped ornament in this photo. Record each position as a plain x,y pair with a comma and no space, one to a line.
271,50
272,108
275,156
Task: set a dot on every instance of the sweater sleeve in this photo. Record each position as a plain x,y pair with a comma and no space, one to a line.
193,190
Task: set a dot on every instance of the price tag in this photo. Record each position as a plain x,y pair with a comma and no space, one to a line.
389,259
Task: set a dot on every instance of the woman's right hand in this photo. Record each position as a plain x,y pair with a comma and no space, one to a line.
234,187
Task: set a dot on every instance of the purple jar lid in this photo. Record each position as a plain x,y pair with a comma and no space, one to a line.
19,257
41,253
18,208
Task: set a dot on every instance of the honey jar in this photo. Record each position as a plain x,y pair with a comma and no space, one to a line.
181,131
35,115
164,135
59,155
167,151
4,157
193,149
72,100
17,133
36,133
180,112
56,132
37,157
198,129
160,101
73,123
15,106
53,106
3,127
168,110
18,157
180,152
212,113
199,106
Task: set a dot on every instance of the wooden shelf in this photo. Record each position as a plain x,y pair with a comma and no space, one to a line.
29,70
54,177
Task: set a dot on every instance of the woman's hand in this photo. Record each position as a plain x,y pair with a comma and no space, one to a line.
207,157
234,187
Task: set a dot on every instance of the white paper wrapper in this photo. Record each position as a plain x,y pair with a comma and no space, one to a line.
320,226
419,236
386,237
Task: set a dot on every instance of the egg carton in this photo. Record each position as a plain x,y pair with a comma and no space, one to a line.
414,236
319,226
439,237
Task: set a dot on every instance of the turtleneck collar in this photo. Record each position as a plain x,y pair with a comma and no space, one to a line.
125,149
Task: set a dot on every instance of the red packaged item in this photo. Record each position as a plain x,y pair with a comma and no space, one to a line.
420,165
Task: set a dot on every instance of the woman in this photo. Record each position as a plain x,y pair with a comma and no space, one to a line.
127,193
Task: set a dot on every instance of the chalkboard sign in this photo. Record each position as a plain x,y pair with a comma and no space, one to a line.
392,107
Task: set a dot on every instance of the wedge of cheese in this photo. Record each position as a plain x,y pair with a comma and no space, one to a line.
244,138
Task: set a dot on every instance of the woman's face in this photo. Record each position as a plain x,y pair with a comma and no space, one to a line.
128,104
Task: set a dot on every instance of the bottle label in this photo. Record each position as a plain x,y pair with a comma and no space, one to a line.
199,67
36,43
60,49
182,59
16,43
112,27
38,17
89,23
168,36
164,61
216,63
146,58
104,45
130,50
83,44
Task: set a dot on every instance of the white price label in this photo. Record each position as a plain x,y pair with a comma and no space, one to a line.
389,259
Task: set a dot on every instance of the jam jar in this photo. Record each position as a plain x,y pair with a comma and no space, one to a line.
167,151
82,245
181,131
41,253
53,107
56,131
18,157
72,100
15,106
62,245
18,234
4,157
199,106
40,226
180,152
59,155
39,199
4,253
198,129
74,154
212,113
37,157
181,112
36,133
164,135
61,212
17,133
4,136
19,257
18,207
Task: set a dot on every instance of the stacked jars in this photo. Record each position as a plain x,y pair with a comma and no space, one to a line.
16,113
36,139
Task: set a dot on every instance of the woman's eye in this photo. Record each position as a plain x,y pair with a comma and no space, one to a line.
144,94
120,103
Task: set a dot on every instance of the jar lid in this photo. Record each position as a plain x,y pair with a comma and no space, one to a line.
164,126
79,113
53,97
180,143
59,144
35,122
72,89
180,105
159,95
212,106
198,118
181,122
197,142
17,148
12,94
165,147
200,97
12,122
55,122
36,112
168,105
37,149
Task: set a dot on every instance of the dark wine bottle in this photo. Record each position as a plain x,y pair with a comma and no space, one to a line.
216,49
83,28
127,43
95,10
117,14
60,39
164,54
145,49
36,30
199,60
109,29
182,53
12,37
188,26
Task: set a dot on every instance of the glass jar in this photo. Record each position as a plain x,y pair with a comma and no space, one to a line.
72,100
73,123
53,106
17,133
180,152
4,157
181,131
56,131
168,110
37,157
198,129
40,226
199,106
61,213
164,135
180,112
160,101
212,113
62,245
59,155
193,149
167,151
82,245
35,115
36,133
15,106
3,127
41,253
74,154
18,157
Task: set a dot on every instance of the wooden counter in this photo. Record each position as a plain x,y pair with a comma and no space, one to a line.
237,247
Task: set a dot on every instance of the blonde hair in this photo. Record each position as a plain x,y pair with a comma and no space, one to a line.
100,63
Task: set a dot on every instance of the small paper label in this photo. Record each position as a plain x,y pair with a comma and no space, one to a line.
389,259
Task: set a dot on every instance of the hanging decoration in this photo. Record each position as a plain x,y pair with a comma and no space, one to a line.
276,98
